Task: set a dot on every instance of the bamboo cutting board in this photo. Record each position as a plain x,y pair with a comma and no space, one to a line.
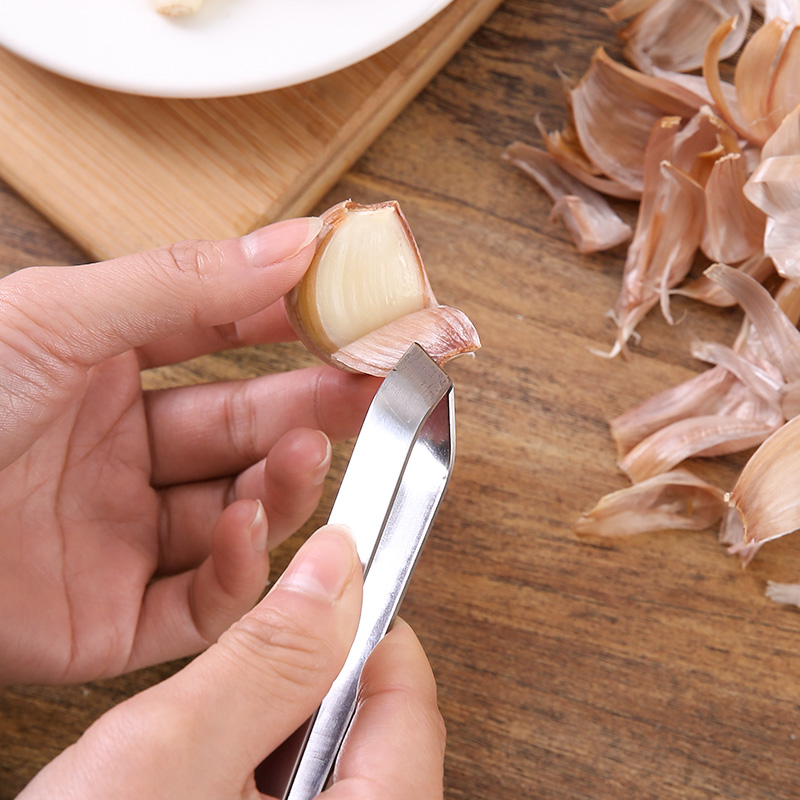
119,173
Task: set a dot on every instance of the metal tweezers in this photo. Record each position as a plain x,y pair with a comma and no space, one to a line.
389,496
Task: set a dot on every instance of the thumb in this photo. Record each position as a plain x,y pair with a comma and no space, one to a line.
202,732
269,672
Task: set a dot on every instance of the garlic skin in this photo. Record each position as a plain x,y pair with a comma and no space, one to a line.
766,494
366,297
594,225
671,34
670,501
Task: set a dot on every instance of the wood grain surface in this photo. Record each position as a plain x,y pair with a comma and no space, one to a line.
120,173
650,670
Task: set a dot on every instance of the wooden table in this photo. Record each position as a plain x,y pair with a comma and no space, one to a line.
649,669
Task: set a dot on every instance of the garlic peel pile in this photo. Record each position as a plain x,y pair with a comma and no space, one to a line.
366,297
715,166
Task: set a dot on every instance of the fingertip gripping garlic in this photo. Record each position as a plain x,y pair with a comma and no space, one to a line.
366,297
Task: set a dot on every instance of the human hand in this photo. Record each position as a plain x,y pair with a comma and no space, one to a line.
202,732
104,487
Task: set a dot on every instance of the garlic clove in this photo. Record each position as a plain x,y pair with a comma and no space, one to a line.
443,333
616,142
590,219
366,285
677,500
767,493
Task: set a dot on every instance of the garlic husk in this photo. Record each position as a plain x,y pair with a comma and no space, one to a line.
776,332
702,395
787,594
785,141
774,187
594,225
672,34
767,493
667,235
565,149
714,435
756,69
677,500
725,97
366,277
734,229
758,266
443,332
616,142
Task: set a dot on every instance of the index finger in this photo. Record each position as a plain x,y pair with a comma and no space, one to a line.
86,314
264,327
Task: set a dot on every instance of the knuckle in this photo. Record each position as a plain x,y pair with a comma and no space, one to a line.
241,423
279,647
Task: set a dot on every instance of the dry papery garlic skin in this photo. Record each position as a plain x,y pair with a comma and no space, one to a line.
364,292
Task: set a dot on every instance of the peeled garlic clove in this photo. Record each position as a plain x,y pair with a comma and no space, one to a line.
767,493
357,306
443,333
676,500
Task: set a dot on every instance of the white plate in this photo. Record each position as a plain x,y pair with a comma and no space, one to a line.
229,47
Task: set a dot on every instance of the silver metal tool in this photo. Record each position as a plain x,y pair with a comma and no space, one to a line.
390,493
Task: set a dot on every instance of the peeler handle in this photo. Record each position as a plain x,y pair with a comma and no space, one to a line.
404,457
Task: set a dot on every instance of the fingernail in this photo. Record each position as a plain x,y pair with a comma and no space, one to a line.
281,241
324,565
258,528
321,470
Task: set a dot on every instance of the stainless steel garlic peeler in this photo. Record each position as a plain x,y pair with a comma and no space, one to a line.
389,496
